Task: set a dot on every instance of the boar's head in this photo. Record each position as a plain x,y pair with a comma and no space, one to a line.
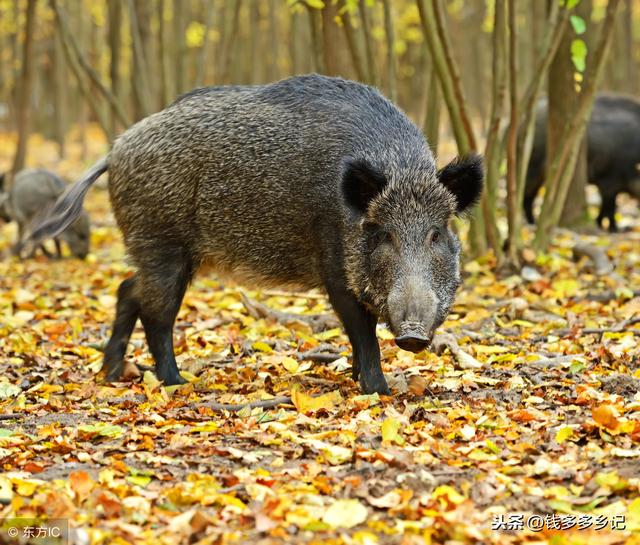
402,257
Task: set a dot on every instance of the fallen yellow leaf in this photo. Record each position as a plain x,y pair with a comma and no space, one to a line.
390,428
306,403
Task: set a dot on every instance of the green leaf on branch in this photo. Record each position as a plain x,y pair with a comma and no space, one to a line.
317,4
569,4
579,54
578,24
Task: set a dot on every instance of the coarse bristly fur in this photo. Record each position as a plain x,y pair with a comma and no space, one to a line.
310,182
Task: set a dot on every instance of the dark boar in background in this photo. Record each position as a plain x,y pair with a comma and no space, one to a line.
308,182
613,153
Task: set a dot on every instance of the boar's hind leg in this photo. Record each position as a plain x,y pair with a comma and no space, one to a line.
160,290
127,311
58,247
608,210
360,326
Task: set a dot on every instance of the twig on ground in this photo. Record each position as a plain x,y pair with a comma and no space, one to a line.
228,489
304,295
12,416
620,328
552,362
319,357
235,407
447,340
603,296
473,335
318,322
323,353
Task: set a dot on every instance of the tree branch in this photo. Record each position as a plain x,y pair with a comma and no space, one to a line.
563,163
71,47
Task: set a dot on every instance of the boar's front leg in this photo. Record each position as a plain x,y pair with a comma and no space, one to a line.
16,249
58,248
360,325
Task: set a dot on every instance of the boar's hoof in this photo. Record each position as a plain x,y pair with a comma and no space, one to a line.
114,371
372,385
172,379
413,343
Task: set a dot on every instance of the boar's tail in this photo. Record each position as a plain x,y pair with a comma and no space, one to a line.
68,206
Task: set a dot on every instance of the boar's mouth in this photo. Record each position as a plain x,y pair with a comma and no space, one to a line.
414,337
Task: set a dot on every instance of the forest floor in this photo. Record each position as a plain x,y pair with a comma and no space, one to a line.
533,428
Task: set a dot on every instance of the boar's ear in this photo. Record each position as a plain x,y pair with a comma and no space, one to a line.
464,177
361,183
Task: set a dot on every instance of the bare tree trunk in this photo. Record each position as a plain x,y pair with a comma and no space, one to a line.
91,101
178,47
629,51
294,43
354,48
431,123
77,61
431,14
26,82
391,55
448,73
60,95
77,64
372,71
514,210
473,60
563,164
316,43
563,101
255,69
167,90
115,46
229,40
205,56
492,147
536,10
140,34
557,23
331,40
617,65
14,69
575,213
274,35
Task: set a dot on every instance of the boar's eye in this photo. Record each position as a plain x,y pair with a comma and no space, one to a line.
381,237
434,237
377,235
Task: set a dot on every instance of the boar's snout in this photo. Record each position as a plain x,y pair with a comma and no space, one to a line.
412,314
414,342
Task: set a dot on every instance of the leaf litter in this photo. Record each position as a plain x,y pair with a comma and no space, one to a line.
531,405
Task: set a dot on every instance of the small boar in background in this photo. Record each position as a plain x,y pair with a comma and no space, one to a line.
308,182
34,191
613,153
